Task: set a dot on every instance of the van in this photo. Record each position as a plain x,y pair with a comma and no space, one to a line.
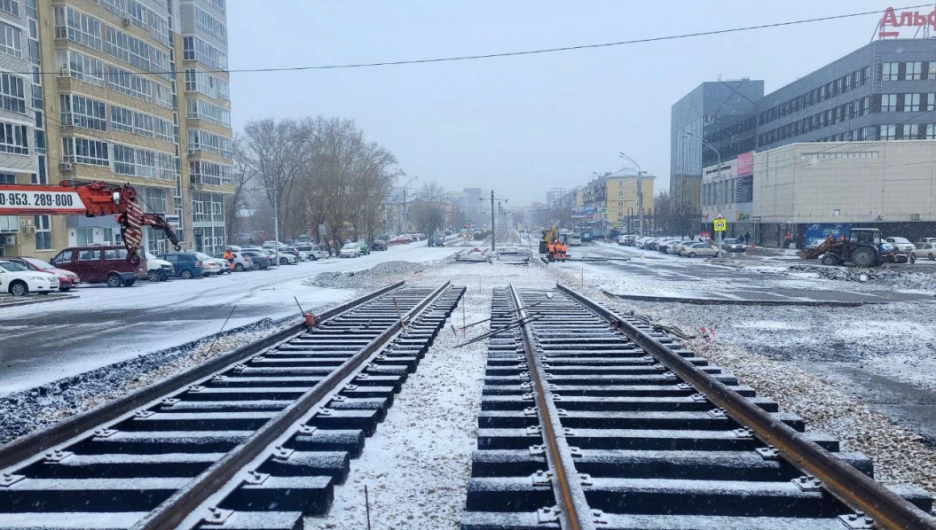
101,263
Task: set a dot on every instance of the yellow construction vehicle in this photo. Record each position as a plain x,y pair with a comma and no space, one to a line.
550,235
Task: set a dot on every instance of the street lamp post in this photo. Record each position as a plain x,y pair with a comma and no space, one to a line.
689,134
640,209
404,221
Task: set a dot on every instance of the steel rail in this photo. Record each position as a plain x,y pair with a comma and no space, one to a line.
574,508
20,449
840,479
174,510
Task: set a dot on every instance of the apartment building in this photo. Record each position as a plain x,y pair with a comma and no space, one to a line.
22,140
614,198
206,133
125,91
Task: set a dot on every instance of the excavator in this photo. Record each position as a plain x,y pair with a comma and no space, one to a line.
91,200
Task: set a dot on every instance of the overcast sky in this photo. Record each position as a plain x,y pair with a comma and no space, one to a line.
519,124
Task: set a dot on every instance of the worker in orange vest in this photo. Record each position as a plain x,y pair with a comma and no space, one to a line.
551,250
562,248
229,256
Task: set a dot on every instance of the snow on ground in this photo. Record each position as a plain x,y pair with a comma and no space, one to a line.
416,467
46,342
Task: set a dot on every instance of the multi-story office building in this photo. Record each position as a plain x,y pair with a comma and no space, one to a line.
108,101
724,115
885,90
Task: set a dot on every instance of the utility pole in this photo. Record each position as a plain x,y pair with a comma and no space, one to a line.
640,209
493,228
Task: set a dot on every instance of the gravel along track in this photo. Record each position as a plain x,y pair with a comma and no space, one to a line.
41,407
316,396
635,446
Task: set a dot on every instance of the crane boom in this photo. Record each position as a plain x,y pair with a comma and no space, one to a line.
91,200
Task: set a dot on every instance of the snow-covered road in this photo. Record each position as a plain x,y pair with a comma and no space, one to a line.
40,343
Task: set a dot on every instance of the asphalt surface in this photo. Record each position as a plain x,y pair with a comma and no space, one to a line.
43,342
726,282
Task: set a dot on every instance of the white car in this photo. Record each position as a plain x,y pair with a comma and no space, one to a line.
575,241
925,250
903,244
351,250
18,280
699,249
158,270
213,265
285,258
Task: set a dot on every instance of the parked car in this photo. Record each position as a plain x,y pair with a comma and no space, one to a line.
300,254
260,260
101,263
401,240
575,241
435,241
350,250
365,248
732,245
212,265
270,244
185,265
699,249
664,244
925,250
927,240
241,262
627,239
158,270
379,245
677,248
285,258
903,244
19,280
420,236
67,279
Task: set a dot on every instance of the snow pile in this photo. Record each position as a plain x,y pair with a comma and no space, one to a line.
29,410
377,276
904,280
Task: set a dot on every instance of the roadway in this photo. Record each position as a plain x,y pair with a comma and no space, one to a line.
47,341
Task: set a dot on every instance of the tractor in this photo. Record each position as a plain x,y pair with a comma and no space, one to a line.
863,248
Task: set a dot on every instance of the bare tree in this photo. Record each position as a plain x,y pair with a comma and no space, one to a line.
427,211
243,175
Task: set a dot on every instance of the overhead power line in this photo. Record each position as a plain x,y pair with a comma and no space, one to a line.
540,51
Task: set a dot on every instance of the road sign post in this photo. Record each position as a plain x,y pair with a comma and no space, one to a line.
719,224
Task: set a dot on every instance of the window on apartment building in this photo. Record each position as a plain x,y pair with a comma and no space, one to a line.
81,67
888,132
210,25
43,232
911,131
930,133
11,40
85,151
79,111
890,71
864,105
12,93
13,139
888,102
914,71
121,119
10,6
78,27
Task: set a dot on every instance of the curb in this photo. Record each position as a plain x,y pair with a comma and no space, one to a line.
719,301
36,300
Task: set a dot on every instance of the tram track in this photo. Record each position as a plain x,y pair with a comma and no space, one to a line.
594,420
257,438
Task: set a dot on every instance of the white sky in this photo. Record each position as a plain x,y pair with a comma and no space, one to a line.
521,124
